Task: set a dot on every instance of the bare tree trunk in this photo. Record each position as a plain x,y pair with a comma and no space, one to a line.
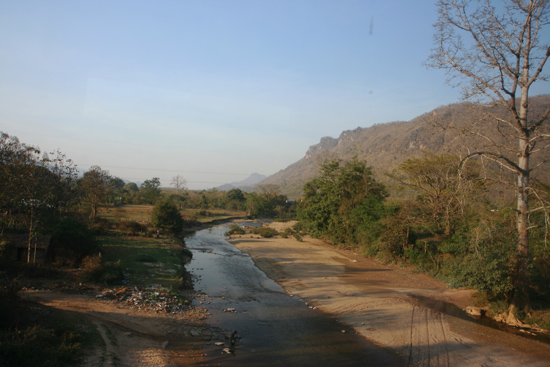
521,294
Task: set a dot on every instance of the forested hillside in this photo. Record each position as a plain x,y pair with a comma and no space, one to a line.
385,146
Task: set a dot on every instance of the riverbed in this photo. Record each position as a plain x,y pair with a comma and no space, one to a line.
273,328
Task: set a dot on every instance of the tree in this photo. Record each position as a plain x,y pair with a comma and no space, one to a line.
117,184
130,187
235,199
441,185
338,202
179,183
33,189
167,216
150,190
495,52
14,156
96,187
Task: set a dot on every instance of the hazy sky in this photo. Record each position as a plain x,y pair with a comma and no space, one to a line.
211,90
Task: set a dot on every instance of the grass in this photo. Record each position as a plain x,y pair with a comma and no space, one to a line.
209,215
145,260
138,213
142,213
35,335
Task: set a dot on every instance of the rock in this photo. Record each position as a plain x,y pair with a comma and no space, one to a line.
165,344
227,350
475,311
219,344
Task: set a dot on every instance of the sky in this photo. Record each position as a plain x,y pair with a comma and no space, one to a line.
211,90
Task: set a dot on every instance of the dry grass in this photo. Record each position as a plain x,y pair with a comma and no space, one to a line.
138,213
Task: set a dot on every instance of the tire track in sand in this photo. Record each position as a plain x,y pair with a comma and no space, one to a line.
428,341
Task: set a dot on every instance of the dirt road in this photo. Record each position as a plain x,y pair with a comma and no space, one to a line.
131,337
412,314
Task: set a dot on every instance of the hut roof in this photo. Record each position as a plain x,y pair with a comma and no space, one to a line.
22,241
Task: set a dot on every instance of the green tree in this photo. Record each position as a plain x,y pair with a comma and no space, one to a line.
258,206
338,202
33,189
234,199
443,186
167,216
150,190
496,51
96,188
130,187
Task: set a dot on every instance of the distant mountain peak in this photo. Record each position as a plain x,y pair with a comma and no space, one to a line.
246,185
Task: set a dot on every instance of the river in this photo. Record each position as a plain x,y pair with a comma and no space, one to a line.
273,327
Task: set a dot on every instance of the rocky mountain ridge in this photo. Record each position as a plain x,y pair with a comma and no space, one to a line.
385,146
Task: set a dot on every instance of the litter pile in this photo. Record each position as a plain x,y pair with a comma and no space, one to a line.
154,298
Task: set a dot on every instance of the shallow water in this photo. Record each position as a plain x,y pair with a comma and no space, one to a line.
275,329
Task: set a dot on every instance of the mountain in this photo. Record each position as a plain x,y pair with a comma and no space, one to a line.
385,146
245,185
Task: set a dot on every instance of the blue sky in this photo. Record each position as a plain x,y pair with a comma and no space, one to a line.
211,90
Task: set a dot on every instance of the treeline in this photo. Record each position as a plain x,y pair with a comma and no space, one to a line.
266,201
44,194
451,227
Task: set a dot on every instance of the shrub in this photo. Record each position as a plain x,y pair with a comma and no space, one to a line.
235,229
132,228
100,225
39,346
72,241
266,232
287,232
97,270
298,227
167,216
488,270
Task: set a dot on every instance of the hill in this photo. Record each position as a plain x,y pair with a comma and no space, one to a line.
385,146
245,185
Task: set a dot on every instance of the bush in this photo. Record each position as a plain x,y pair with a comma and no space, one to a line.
39,346
235,229
286,233
101,225
132,228
167,216
488,270
97,270
72,241
266,232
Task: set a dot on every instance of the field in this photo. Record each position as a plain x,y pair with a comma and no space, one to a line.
142,214
145,260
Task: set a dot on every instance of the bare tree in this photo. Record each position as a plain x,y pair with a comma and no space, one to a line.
179,183
495,51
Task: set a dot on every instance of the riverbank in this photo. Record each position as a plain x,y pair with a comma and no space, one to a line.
410,314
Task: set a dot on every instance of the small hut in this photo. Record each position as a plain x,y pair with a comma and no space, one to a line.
17,247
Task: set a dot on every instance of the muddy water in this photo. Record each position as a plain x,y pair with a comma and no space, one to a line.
274,328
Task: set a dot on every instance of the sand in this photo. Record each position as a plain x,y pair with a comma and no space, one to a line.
411,314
